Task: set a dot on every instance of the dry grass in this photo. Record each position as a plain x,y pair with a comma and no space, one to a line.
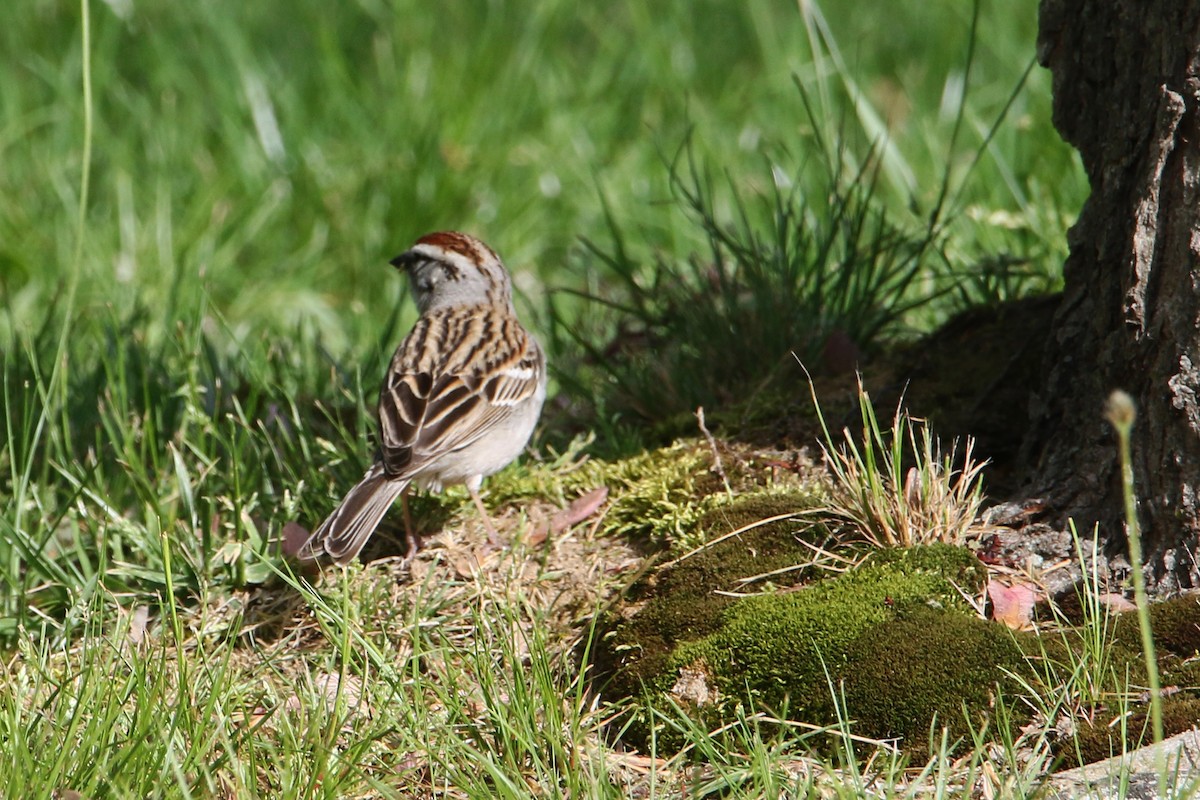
898,487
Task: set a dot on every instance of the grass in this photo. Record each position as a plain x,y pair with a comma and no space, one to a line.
362,685
796,272
274,167
196,205
830,250
896,487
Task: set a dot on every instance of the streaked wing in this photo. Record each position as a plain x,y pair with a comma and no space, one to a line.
451,380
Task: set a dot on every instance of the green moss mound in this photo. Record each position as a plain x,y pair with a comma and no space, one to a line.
685,601
1175,624
716,655
1109,736
774,650
657,495
928,665
955,564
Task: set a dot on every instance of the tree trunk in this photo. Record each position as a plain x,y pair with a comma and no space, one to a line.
1126,77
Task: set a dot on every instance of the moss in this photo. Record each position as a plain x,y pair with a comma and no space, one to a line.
1058,654
774,650
1175,624
927,664
1106,736
1176,671
782,411
683,602
658,496
1102,733
764,541
953,563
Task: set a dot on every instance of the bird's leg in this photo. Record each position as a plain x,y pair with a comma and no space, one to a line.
493,537
410,530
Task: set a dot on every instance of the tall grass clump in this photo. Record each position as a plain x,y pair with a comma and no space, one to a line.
830,251
794,269
897,487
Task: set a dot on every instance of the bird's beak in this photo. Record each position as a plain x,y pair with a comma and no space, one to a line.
402,261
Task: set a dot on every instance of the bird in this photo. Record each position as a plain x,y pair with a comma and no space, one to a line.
461,396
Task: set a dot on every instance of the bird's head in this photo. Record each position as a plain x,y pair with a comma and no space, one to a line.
450,268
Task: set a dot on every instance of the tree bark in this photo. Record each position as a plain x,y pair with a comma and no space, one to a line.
1126,78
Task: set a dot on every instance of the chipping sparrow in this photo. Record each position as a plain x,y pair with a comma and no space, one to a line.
460,399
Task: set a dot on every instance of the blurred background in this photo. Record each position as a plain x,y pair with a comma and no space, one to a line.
266,159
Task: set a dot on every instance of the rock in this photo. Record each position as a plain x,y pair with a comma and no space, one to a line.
1156,771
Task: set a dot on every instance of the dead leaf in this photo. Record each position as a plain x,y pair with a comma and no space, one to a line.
912,487
293,536
468,565
1013,603
579,509
326,685
1165,691
137,624
1116,602
258,714
411,762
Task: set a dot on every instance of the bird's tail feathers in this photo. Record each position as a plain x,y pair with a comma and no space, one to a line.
344,532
